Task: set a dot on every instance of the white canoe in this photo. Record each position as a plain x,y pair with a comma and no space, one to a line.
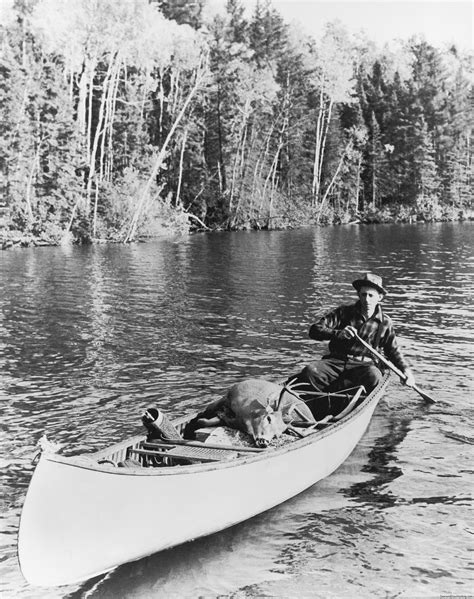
82,518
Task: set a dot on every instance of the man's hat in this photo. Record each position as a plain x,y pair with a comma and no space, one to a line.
369,280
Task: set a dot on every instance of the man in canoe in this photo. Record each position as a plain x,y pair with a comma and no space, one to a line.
349,362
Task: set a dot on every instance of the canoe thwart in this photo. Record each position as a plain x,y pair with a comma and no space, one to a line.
193,454
352,404
189,443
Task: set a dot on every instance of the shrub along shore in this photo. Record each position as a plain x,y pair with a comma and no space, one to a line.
10,239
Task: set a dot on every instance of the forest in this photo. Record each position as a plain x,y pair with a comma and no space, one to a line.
125,120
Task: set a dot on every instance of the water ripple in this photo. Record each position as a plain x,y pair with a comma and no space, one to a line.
89,337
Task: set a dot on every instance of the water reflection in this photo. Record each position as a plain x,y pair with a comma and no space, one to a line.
91,336
382,464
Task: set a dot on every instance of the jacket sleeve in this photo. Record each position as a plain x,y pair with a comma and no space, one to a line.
391,349
327,327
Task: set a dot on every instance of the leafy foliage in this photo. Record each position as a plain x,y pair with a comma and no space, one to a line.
122,119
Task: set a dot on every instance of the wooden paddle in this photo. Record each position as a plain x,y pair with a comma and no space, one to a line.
393,368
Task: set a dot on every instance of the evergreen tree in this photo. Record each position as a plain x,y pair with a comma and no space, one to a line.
268,34
182,11
374,165
425,171
40,152
454,133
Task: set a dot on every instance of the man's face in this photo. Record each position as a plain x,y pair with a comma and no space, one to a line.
369,298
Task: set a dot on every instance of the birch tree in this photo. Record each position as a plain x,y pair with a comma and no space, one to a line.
100,41
332,80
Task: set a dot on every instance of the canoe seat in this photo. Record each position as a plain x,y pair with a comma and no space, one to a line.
164,451
324,403
309,428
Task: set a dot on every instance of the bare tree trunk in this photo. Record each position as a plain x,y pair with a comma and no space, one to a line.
162,104
99,129
91,73
333,180
468,168
323,146
161,156
96,204
29,184
219,173
197,219
222,177
71,87
322,128
175,88
260,164
243,161
237,158
180,177
81,104
142,107
317,150
374,181
271,174
253,190
111,96
241,165
273,187
359,164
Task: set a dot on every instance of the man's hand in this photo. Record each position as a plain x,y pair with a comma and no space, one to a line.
347,332
410,379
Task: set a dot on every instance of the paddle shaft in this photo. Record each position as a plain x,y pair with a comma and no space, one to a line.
393,368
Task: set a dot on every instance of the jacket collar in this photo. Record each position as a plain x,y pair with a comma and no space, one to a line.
377,315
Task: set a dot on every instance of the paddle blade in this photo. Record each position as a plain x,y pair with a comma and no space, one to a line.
424,395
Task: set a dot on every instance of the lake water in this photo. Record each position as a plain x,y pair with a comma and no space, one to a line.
90,336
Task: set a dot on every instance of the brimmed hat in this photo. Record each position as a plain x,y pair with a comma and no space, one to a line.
369,280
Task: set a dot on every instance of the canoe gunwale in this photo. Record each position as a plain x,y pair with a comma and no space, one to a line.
90,461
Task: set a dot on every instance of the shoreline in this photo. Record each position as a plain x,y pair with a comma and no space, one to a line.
15,240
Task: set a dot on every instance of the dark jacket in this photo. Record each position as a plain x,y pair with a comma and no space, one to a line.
377,330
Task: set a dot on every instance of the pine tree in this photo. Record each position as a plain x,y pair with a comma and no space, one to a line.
182,11
454,134
268,34
374,165
425,172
